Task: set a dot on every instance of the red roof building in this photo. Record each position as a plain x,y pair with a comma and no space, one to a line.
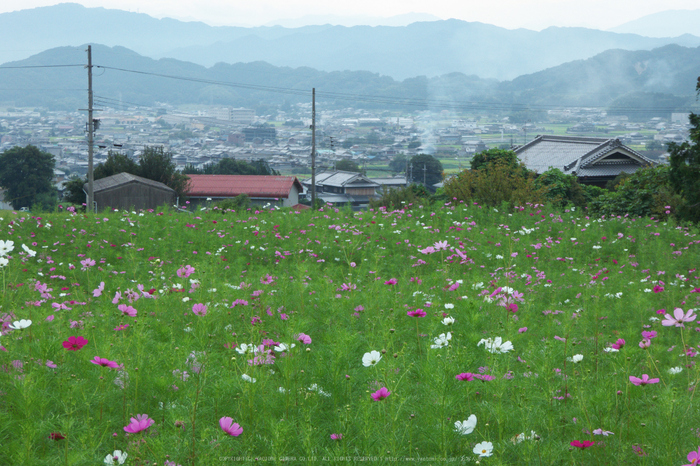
261,189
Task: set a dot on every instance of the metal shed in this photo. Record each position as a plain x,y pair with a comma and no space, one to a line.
127,191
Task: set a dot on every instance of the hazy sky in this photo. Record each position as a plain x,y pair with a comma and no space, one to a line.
531,14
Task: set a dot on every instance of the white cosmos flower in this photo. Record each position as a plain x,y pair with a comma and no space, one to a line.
117,457
442,340
20,324
248,378
6,247
449,306
448,321
245,348
483,449
496,345
3,261
29,252
371,358
283,347
466,427
675,370
575,358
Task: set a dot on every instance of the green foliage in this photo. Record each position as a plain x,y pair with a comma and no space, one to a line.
645,193
561,189
348,166
484,159
116,163
73,192
685,171
398,164
230,166
240,202
496,183
26,173
432,173
414,144
412,195
157,165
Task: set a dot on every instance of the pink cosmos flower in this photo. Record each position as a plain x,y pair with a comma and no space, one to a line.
97,292
380,394
336,436
643,381
51,364
649,335
230,427
416,313
139,423
522,330
693,457
185,271
304,338
74,343
199,309
618,344
127,310
468,376
107,363
582,445
603,432
678,318
121,327
391,281
87,263
645,343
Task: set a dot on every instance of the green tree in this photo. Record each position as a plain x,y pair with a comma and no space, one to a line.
684,173
484,158
348,166
26,173
398,164
157,165
115,163
425,167
73,191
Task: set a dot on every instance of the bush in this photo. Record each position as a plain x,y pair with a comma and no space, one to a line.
402,198
645,193
562,190
496,183
240,202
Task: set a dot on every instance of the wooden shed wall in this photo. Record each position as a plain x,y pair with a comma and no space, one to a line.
134,196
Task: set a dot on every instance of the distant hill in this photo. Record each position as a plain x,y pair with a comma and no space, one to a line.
423,48
360,20
663,77
670,23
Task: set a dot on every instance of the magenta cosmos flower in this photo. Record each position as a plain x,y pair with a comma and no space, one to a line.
104,362
468,376
139,423
582,445
304,338
643,381
230,427
693,457
336,436
416,313
380,394
678,318
74,343
391,281
127,310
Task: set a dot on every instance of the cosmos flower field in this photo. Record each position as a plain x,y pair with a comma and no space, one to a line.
450,334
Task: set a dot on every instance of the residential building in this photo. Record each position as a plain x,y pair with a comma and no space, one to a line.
282,191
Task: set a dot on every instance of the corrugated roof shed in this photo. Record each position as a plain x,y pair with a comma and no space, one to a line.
120,179
235,185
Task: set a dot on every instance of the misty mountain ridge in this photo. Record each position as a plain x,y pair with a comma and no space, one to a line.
661,77
354,20
670,23
432,48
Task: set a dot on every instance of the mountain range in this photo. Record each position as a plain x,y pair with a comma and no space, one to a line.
430,49
663,24
664,76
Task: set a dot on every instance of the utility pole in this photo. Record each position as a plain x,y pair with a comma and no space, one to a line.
425,167
91,177
313,148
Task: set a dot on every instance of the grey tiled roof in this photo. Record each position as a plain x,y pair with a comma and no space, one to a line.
342,178
579,155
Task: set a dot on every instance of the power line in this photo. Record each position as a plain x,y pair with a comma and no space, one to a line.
3,67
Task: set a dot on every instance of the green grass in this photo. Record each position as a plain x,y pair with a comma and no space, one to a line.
585,283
